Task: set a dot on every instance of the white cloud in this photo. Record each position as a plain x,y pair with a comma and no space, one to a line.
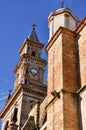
3,93
3,98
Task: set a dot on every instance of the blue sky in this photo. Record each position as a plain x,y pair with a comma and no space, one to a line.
16,18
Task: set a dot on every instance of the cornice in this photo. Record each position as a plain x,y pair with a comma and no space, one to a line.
32,58
56,35
57,95
20,89
81,26
38,83
26,41
34,91
81,90
35,58
61,11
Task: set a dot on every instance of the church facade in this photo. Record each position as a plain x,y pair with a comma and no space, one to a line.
60,104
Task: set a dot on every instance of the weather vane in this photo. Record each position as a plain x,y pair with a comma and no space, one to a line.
62,4
33,26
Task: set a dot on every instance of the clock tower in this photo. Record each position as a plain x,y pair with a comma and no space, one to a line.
28,83
30,66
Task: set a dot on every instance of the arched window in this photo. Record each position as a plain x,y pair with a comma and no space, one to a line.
28,48
33,53
14,116
6,126
25,81
26,71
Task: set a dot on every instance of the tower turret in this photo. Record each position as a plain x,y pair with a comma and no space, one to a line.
62,17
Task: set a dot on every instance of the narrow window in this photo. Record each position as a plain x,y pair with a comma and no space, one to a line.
67,20
39,54
31,101
25,81
26,71
28,48
6,126
33,53
14,117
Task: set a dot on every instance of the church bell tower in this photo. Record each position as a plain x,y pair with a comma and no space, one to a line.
28,83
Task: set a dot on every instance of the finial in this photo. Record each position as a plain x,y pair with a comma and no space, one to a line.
33,26
9,95
10,91
62,4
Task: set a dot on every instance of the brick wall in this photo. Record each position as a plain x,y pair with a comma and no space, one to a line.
81,39
62,113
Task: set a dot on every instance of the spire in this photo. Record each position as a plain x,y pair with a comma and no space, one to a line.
33,36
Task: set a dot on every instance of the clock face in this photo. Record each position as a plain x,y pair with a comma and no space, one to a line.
33,71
